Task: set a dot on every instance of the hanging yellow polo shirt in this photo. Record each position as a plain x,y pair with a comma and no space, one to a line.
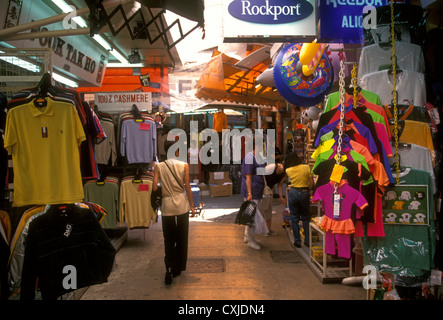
44,144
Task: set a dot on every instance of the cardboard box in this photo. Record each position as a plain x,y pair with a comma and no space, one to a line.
219,184
317,253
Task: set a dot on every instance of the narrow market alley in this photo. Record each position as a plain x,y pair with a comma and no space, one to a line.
220,265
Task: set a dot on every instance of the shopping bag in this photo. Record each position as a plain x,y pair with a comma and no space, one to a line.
259,226
246,213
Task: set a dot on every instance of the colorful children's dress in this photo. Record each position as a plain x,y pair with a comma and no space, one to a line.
338,231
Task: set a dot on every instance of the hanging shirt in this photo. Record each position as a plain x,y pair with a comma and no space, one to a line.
350,196
358,115
358,128
106,151
375,58
415,132
410,86
346,151
339,229
88,165
219,122
65,235
135,203
44,144
408,112
406,249
354,173
334,98
106,194
375,110
416,157
139,141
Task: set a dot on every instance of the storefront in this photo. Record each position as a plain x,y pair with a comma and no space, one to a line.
322,74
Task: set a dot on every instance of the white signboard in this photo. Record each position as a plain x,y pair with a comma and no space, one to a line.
251,18
117,102
75,56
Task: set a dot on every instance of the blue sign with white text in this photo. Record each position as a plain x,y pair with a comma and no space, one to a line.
270,11
341,21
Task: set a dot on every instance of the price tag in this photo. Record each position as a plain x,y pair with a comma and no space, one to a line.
44,132
337,173
144,126
143,187
337,205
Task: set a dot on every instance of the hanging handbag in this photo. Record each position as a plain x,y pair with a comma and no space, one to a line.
246,213
156,198
268,197
267,191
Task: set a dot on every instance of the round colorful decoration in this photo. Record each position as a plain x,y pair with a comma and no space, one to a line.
293,85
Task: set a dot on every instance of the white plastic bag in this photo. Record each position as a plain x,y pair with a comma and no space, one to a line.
260,226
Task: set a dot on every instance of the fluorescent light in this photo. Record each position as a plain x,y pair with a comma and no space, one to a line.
124,65
64,80
80,21
63,6
102,41
119,57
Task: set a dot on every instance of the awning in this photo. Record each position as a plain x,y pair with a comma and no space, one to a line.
226,79
123,79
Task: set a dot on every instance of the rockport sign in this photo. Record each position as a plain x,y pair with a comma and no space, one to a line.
248,19
270,12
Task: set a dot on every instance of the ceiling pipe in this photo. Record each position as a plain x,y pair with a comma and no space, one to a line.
5,34
48,34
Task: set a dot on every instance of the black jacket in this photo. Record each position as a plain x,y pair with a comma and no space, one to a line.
67,235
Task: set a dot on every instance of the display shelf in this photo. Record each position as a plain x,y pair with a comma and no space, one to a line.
326,266
117,236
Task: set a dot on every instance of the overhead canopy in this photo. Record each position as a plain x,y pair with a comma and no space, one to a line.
233,80
123,79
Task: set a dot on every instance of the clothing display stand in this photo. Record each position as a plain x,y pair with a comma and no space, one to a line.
42,206
408,203
134,145
326,267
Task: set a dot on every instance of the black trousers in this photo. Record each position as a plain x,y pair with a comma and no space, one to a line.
175,234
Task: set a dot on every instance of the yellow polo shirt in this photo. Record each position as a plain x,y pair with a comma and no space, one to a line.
44,144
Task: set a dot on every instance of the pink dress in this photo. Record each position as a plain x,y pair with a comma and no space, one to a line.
338,230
